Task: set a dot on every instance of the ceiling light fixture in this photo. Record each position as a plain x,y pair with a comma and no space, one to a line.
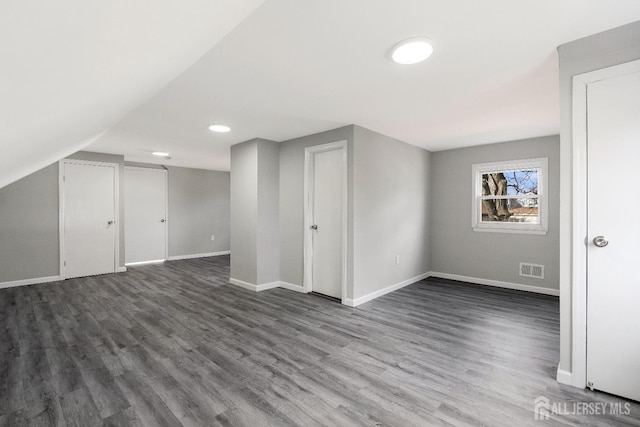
412,50
160,153
218,127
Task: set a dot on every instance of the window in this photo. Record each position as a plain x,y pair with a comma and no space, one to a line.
510,197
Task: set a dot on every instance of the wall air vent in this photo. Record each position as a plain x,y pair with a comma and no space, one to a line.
532,270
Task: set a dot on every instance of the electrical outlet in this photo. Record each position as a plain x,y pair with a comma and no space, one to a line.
397,259
213,237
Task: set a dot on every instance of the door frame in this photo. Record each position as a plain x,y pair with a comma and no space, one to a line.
309,158
166,206
61,204
579,240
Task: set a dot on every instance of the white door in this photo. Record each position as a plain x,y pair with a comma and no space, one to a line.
613,283
145,214
89,231
327,222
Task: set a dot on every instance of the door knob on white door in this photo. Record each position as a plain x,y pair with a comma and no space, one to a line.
109,222
314,227
163,220
600,241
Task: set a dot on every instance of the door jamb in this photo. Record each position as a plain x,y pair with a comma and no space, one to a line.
309,154
579,240
61,202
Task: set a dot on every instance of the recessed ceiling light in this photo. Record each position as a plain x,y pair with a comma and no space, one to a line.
412,51
160,153
217,127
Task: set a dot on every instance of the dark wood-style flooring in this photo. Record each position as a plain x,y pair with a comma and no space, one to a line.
174,344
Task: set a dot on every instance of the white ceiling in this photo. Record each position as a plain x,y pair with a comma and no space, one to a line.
293,68
71,69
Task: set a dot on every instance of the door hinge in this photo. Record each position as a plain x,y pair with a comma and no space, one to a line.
64,179
65,263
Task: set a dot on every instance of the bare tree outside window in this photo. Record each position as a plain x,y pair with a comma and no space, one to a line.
510,196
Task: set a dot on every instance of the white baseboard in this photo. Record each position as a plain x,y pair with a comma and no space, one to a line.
564,377
179,257
27,282
266,286
252,287
292,287
496,283
122,269
245,285
356,302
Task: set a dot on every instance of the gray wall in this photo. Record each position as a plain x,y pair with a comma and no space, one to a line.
29,217
244,211
292,207
457,249
602,50
198,208
255,257
29,223
391,198
268,233
388,213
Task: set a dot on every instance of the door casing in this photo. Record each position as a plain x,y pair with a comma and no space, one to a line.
309,154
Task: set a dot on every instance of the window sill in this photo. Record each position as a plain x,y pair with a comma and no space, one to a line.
534,231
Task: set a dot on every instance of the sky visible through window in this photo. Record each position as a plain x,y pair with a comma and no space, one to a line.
521,182
520,189
509,196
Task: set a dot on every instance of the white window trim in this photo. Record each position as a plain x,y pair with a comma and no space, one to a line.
540,163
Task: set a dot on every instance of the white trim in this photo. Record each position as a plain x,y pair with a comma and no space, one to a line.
152,261
243,284
61,205
292,287
564,377
309,153
122,270
496,283
579,147
179,257
252,287
579,235
377,294
267,286
477,170
490,228
61,202
27,282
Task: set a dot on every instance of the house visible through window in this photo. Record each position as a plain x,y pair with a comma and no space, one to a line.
510,196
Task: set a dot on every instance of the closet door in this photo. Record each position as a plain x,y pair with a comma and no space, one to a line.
88,218
145,213
613,284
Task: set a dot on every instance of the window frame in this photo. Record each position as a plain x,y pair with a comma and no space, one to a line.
541,164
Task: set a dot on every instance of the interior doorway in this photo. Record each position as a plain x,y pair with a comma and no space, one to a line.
325,236
145,196
607,290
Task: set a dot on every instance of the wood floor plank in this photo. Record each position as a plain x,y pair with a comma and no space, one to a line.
174,344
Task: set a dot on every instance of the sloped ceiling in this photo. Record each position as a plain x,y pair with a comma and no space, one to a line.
110,76
295,67
71,69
